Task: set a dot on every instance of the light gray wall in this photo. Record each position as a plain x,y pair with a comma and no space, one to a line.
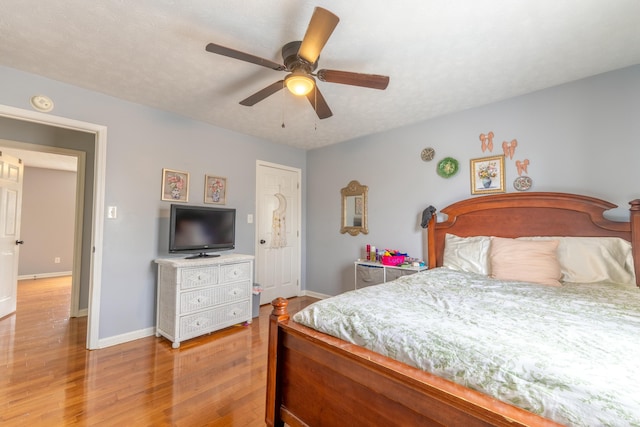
582,137
47,221
142,141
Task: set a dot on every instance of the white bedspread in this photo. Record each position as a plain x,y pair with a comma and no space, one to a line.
570,353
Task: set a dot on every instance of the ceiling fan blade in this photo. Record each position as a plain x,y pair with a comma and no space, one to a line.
236,54
373,81
318,32
262,94
319,104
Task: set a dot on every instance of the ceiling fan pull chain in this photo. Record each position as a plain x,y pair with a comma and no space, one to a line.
283,102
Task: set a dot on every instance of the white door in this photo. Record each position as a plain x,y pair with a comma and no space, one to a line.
278,219
10,203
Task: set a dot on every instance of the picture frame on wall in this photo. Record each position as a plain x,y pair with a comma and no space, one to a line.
215,189
487,175
175,185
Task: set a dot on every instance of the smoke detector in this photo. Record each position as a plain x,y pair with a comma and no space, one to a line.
42,103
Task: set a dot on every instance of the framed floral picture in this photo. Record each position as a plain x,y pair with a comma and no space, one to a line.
215,189
175,185
487,175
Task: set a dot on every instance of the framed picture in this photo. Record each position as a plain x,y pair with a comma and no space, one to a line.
215,189
175,185
487,175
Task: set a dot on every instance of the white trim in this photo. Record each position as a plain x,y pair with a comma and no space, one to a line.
315,295
98,202
129,336
44,275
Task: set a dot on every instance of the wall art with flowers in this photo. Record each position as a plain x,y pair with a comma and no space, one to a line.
215,189
487,175
175,185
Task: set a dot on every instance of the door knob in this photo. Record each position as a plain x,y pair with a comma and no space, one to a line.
19,242
262,241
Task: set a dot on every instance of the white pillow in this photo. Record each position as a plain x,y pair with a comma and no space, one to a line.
594,259
470,254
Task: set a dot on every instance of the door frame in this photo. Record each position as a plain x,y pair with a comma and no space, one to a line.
95,274
298,171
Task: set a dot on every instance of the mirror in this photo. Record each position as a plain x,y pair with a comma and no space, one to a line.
354,209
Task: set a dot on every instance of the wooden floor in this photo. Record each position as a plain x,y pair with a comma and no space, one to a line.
48,378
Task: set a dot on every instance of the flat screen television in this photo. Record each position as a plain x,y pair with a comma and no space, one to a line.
201,229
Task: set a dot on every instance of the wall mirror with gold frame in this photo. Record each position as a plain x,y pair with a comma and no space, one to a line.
354,209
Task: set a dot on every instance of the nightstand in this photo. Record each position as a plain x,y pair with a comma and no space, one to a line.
369,273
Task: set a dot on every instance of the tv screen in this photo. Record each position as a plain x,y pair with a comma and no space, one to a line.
201,229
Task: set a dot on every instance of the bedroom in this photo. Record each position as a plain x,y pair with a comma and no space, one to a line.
567,132
580,137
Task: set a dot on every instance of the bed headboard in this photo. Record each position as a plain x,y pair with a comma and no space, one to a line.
532,214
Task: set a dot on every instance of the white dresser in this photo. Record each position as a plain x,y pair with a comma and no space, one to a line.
199,296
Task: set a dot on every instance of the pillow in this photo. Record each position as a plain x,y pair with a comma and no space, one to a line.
594,259
468,254
525,261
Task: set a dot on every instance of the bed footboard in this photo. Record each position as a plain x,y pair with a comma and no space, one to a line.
317,380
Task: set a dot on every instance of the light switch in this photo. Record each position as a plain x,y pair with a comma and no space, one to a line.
250,219
112,212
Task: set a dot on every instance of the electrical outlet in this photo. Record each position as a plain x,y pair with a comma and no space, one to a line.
56,260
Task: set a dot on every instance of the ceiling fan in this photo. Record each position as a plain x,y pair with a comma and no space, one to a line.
300,61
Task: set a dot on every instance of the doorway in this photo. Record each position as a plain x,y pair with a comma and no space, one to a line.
52,215
278,237
91,257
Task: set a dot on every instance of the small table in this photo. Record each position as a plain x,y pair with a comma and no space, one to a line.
368,273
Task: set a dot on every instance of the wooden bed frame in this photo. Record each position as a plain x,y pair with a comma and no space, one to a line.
317,380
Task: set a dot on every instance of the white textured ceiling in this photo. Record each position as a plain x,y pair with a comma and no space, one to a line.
442,55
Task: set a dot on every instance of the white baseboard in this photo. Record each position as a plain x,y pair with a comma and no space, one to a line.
44,275
315,295
129,336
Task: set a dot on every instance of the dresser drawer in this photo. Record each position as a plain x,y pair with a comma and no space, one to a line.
235,272
198,276
207,297
216,318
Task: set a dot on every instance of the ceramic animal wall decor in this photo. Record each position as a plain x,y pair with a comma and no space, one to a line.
509,148
487,141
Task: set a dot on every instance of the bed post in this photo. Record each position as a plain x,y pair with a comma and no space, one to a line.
431,242
279,314
635,236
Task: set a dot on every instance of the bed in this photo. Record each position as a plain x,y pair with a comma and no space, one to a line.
317,379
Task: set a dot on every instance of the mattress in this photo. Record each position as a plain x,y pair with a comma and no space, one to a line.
567,353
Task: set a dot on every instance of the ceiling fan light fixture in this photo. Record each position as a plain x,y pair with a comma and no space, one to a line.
299,83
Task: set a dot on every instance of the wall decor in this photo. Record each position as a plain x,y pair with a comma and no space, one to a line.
522,166
487,141
354,200
522,183
447,167
215,189
487,175
509,148
175,185
427,154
